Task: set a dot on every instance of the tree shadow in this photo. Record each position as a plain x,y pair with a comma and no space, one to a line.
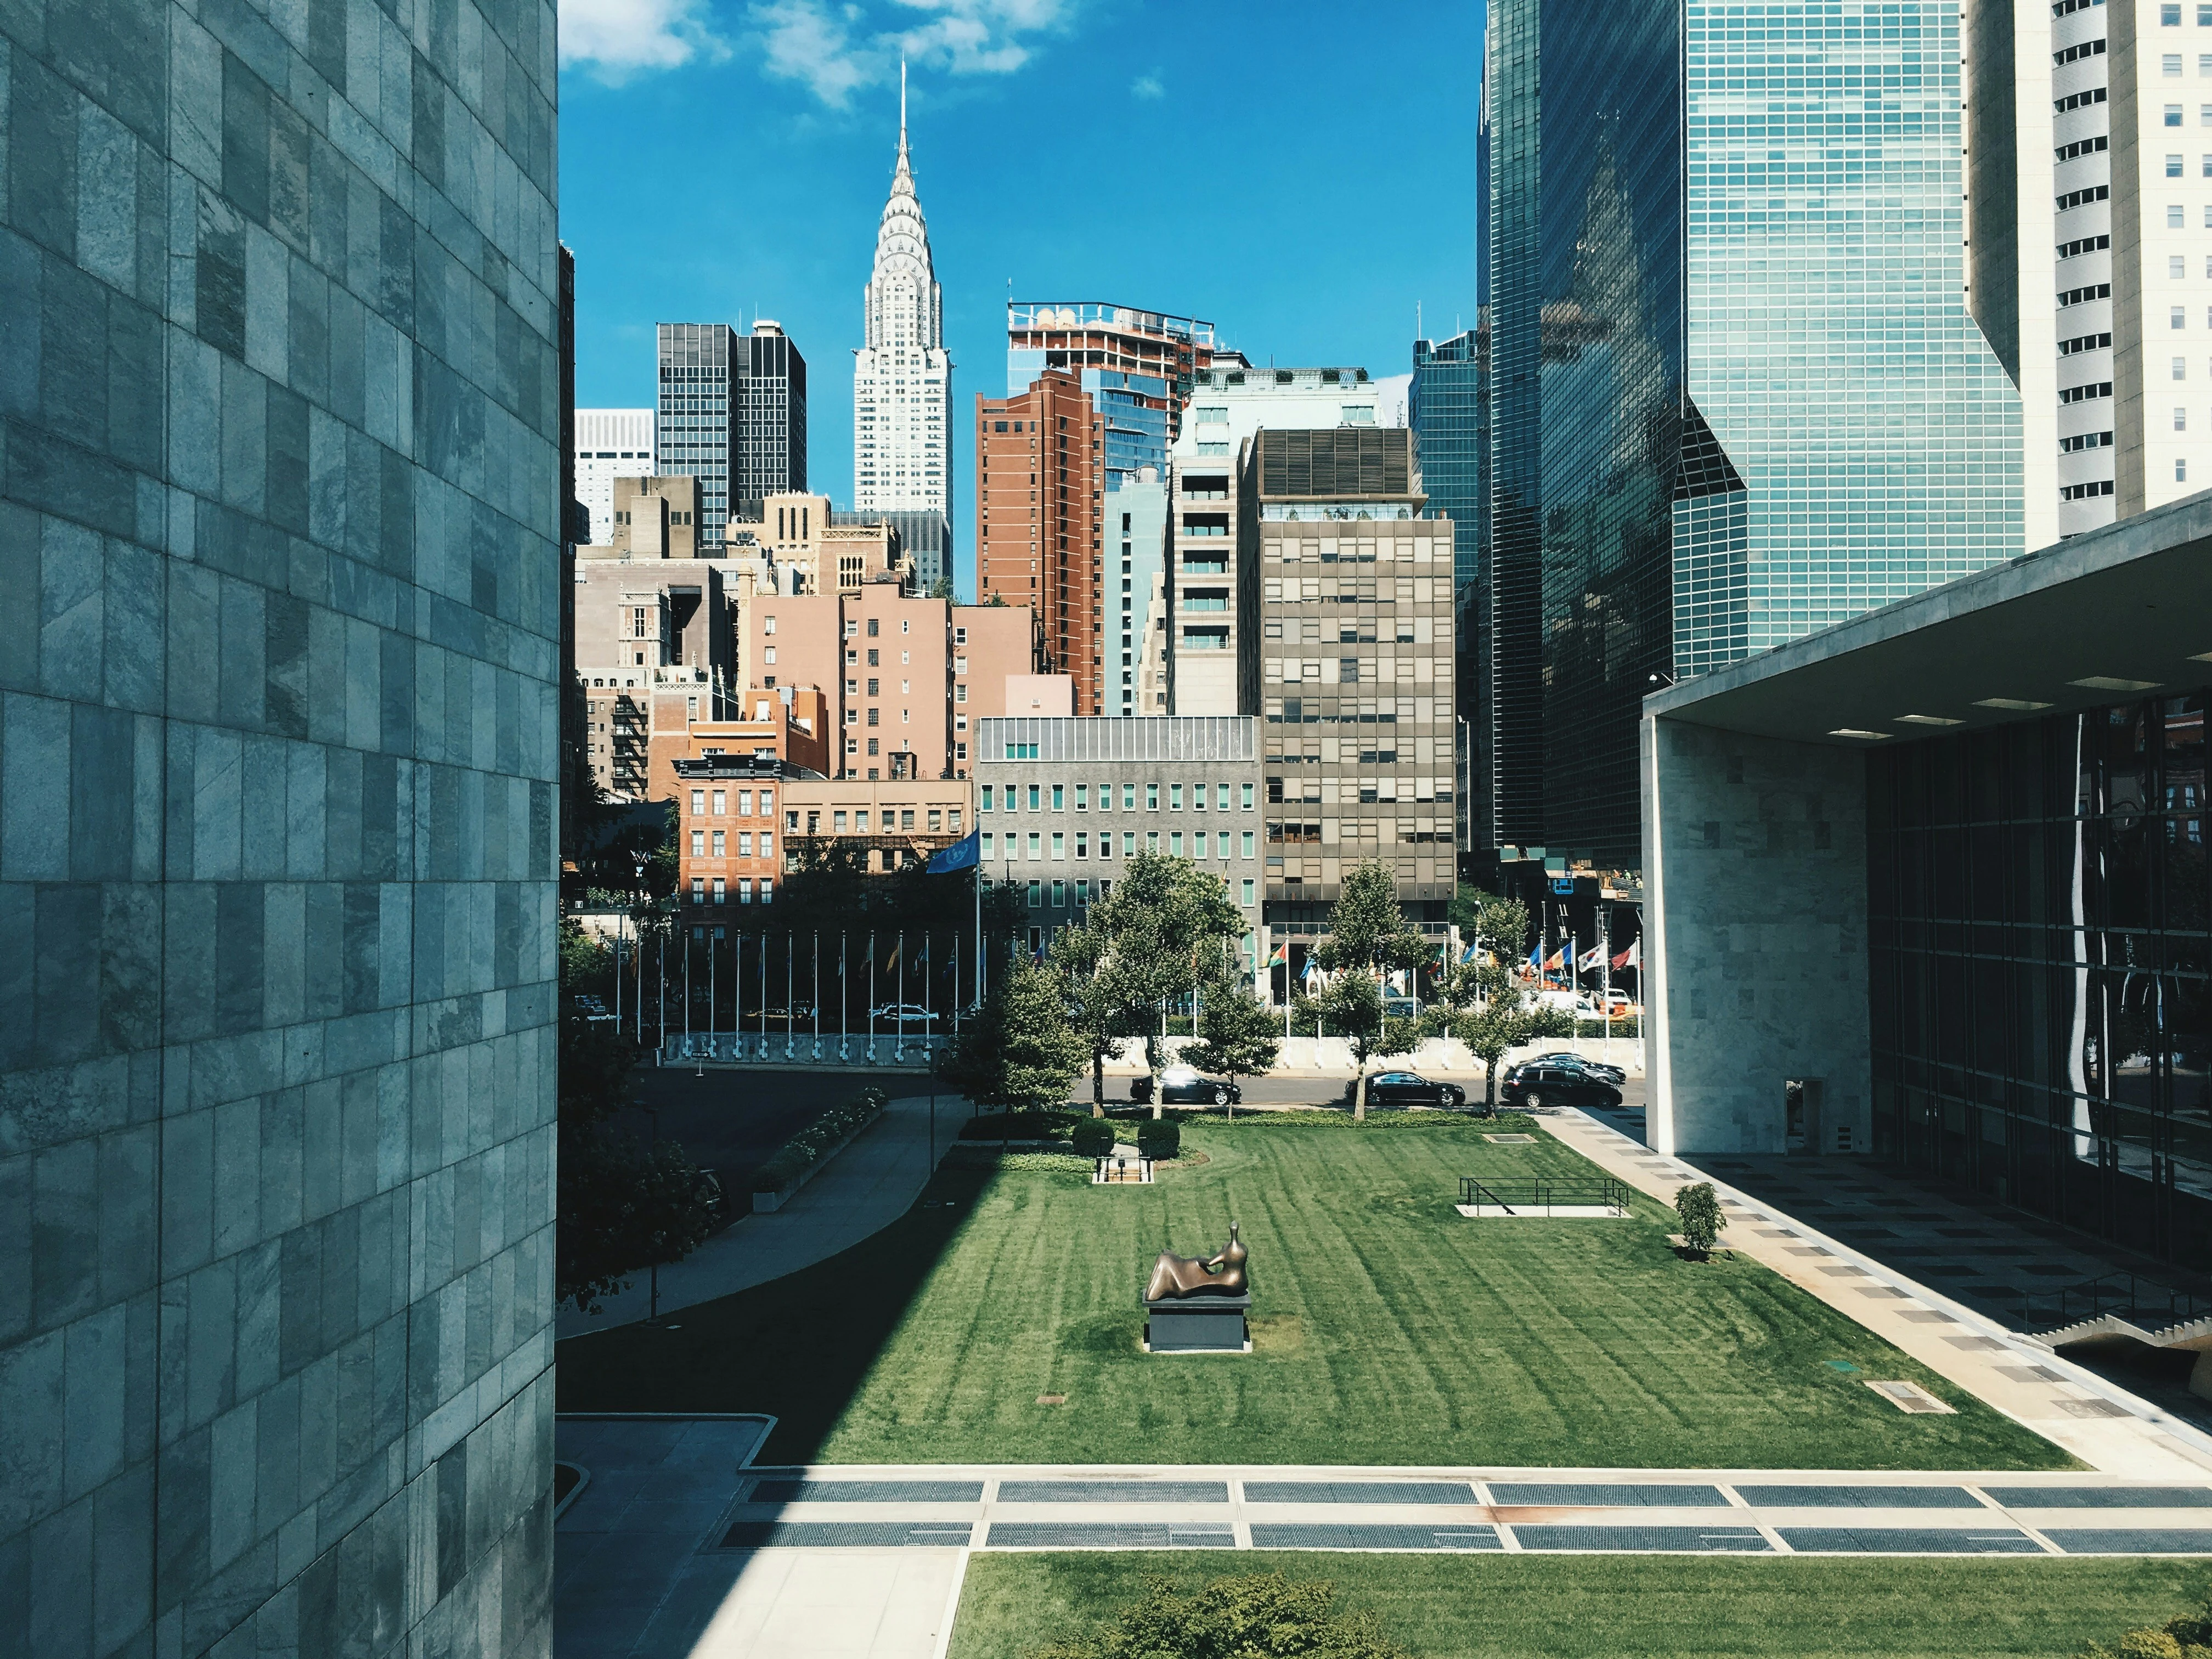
799,1347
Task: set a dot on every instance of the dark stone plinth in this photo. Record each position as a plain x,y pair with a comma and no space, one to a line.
1198,1324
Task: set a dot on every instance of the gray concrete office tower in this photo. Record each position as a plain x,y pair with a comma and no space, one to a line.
279,561
694,436
1355,617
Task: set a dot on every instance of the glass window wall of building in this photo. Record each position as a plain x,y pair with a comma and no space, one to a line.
2041,1013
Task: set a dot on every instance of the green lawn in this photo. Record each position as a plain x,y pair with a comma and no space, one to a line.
1387,1330
1655,1607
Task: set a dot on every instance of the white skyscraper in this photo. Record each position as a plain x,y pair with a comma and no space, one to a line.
901,378
610,444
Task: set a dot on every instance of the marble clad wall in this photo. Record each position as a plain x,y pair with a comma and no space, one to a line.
278,641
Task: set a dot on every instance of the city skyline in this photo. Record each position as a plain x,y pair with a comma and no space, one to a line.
818,174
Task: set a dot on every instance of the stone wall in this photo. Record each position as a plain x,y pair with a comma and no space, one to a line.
1755,937
278,642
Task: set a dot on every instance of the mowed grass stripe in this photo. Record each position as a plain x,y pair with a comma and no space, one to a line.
1388,1329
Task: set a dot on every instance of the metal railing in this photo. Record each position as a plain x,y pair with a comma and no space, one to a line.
2142,1303
1542,1197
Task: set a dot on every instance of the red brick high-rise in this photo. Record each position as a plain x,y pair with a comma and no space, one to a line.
1039,537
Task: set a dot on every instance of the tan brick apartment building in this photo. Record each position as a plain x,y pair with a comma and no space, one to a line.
896,822
1040,490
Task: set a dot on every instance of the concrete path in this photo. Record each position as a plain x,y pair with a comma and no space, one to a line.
863,1189
2105,1426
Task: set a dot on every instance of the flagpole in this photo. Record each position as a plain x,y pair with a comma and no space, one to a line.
818,993
790,949
844,1018
871,997
710,997
898,955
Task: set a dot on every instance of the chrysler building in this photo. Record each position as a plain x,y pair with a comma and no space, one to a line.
901,378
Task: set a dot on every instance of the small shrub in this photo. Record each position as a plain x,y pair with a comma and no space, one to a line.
1159,1139
1242,1618
1093,1136
1700,1211
804,1150
1019,1126
2189,1637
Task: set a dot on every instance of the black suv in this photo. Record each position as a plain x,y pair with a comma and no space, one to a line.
1539,1084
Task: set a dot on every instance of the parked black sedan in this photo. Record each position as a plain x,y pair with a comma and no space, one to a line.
1181,1086
1536,1084
1596,1068
1406,1089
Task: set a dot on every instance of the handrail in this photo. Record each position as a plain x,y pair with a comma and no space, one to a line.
2141,1302
1542,1194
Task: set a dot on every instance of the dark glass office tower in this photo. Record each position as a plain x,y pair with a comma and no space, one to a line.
693,435
1451,412
1736,394
769,455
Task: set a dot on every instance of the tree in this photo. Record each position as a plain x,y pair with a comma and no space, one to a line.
942,589
1368,938
1019,1052
1352,1001
1234,1618
1700,1213
1237,1035
1483,1002
624,1205
1141,944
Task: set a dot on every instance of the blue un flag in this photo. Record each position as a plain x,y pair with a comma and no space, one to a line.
964,854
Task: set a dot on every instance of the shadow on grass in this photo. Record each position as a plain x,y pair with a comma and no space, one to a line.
798,1347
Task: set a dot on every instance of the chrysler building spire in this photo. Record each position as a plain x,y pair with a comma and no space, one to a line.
902,377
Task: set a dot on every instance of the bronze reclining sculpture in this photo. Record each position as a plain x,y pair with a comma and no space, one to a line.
1175,1276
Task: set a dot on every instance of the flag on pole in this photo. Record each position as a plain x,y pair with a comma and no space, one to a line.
964,854
1535,956
1631,958
1281,958
1556,959
1592,957
1468,955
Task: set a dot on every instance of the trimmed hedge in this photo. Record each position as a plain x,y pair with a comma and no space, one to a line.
1092,1137
805,1150
1159,1139
1020,1126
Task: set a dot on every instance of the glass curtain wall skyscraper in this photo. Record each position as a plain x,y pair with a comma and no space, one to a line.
693,435
1449,410
1737,394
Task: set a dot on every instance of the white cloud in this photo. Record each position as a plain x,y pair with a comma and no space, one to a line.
1147,86
836,49
619,40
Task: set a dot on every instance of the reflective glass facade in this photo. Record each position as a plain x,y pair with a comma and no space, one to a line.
1450,407
1736,393
1828,342
2041,1016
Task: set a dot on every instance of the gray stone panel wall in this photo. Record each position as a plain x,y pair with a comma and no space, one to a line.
1754,938
278,642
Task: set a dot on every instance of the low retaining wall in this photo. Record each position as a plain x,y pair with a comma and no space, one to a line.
769,1203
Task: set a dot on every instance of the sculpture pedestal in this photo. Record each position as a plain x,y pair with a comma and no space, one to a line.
1198,1324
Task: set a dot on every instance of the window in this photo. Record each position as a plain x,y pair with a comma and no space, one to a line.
837,822
721,843
2173,166
2169,16
1036,845
1082,797
698,844
1059,797
744,842
2180,470
1151,798
987,839
1035,794
2180,369
2176,317
1128,798
874,719
1037,894
861,820
874,628
1244,846
1247,788
1059,844
984,806
2173,114
1175,843
1129,843
1248,890
1175,798
1058,893
768,890
721,892
698,890
1152,841
1221,842
1082,846
2170,63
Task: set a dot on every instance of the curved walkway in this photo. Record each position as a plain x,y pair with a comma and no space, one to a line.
861,1190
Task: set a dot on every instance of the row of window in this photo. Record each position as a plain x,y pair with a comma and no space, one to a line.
1079,891
721,843
893,818
1173,844
716,801
719,893
1012,794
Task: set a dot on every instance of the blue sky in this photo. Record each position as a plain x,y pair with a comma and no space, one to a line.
1298,174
